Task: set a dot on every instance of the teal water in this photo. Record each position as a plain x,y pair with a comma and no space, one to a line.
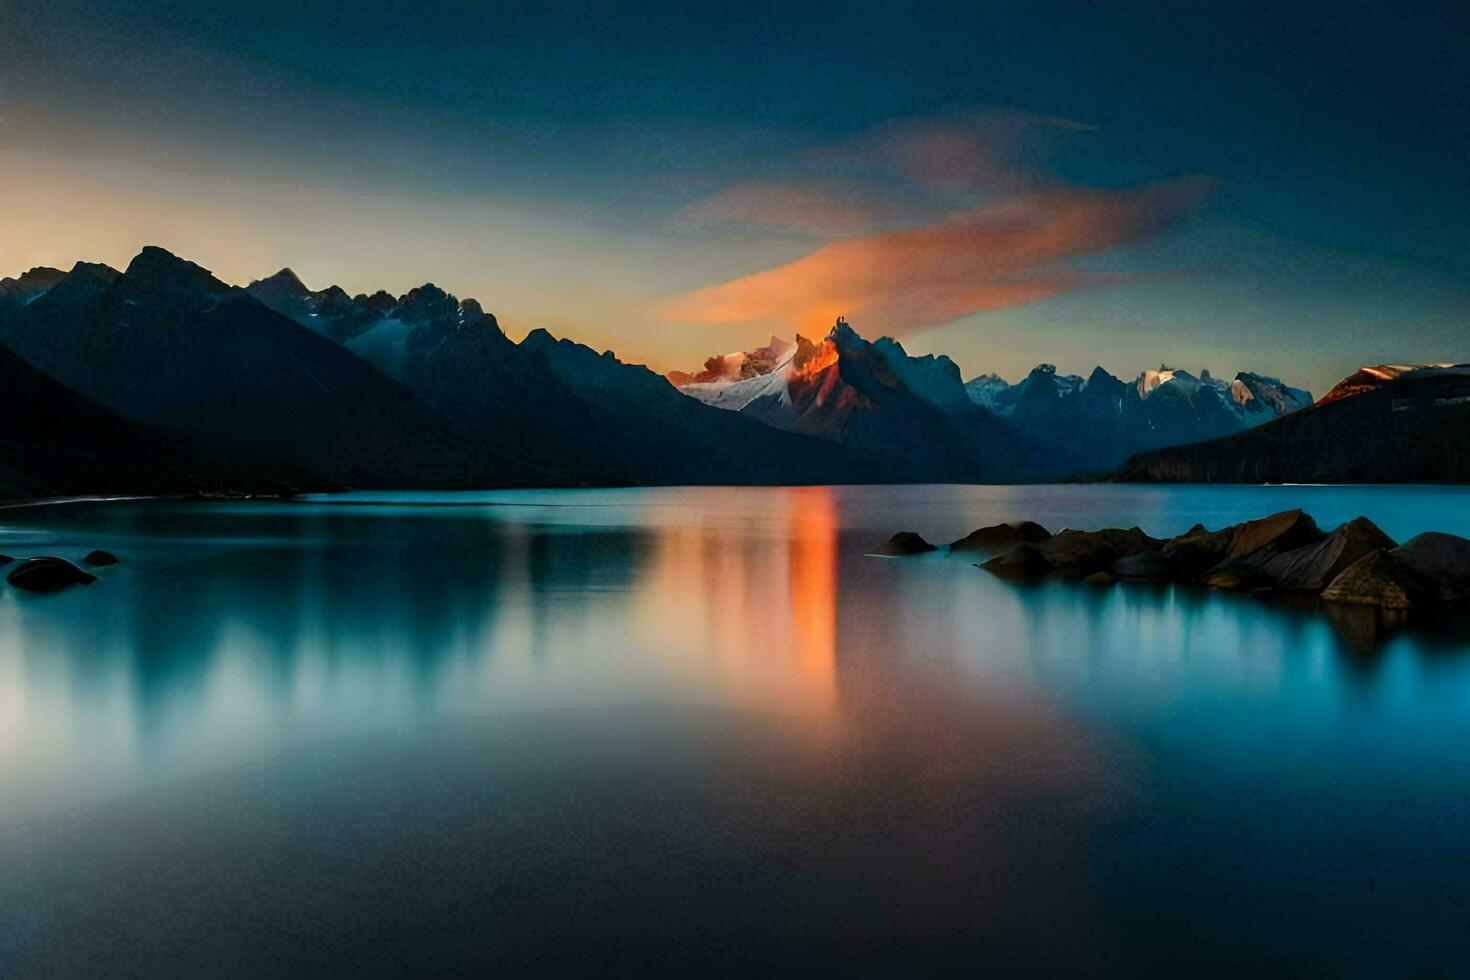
679,728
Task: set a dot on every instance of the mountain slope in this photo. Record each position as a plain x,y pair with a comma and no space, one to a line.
58,444
1385,424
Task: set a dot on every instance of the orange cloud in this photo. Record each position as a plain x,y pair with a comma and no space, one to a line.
989,257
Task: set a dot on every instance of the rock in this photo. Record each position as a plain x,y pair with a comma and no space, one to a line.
48,574
903,543
1198,554
1312,567
1078,554
1000,538
1023,563
1442,560
5,560
1378,579
1197,551
1146,566
1261,539
100,558
1237,576
1101,578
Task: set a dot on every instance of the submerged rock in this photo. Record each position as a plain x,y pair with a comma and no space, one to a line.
48,574
1378,579
903,543
1443,560
100,558
1312,567
1001,537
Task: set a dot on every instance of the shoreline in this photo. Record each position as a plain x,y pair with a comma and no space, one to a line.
26,502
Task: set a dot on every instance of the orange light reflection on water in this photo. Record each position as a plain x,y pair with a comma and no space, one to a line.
735,628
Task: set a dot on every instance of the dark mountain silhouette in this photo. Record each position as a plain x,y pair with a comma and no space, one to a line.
58,444
28,285
167,345
1385,424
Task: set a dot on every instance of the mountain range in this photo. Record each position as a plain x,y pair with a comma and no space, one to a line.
161,378
1391,423
332,390
1047,426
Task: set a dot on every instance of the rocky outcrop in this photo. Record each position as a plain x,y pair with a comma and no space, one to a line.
1379,579
1443,559
1001,537
1197,550
1235,575
100,558
902,544
1021,564
1262,539
1077,554
1356,564
1312,567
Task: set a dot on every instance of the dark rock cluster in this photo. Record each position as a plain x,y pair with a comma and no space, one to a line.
1284,554
1355,563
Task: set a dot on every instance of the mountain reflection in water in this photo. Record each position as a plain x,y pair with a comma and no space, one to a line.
691,725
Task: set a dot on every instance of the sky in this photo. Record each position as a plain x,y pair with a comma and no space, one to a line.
1280,188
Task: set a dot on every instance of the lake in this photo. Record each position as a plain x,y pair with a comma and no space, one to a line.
699,728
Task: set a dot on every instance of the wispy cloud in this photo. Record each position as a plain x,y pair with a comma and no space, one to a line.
986,257
985,149
809,209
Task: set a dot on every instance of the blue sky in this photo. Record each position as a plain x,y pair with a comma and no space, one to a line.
1210,185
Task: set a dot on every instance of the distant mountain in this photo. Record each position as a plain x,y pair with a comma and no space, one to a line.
873,397
168,346
555,406
1383,424
1092,425
917,410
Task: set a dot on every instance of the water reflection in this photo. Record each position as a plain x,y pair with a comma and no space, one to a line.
232,628
536,701
320,619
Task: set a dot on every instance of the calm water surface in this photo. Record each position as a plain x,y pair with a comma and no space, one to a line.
578,730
